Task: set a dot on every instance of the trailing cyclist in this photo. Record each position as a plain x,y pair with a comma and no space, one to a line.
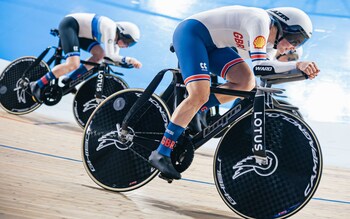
87,31
203,44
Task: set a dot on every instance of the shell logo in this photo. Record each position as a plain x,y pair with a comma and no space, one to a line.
259,42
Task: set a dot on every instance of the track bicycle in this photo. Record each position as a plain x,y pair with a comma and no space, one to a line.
268,164
99,82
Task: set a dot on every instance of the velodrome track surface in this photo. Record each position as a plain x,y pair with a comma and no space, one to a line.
42,176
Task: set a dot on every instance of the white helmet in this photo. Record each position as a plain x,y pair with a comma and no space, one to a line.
128,32
293,24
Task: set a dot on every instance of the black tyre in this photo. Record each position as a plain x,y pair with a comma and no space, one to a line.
283,186
85,102
123,166
15,95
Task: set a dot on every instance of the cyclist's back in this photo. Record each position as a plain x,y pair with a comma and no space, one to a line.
250,27
93,26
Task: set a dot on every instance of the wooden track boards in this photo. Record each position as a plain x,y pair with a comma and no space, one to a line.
42,176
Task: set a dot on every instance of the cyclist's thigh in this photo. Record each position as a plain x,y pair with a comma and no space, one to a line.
191,50
93,47
221,60
89,44
68,30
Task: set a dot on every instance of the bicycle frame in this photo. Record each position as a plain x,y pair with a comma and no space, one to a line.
254,101
223,121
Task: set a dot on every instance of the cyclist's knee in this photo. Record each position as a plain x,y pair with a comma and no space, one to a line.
243,80
197,101
248,84
198,98
198,92
97,57
73,66
97,53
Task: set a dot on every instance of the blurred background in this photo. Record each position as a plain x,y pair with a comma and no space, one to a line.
25,27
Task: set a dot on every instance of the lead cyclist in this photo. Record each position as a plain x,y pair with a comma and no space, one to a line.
203,43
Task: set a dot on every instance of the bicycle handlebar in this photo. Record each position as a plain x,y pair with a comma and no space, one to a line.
54,32
289,76
108,61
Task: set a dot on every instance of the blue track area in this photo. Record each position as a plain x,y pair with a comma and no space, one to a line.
25,26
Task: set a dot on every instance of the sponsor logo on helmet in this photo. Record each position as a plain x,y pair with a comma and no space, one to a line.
259,42
281,15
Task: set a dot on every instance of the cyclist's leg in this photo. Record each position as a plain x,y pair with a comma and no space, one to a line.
68,29
193,59
230,66
97,52
198,94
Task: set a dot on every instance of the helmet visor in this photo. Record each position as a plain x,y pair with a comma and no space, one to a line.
295,39
128,40
295,35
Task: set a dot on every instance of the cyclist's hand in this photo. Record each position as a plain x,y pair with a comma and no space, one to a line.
310,68
136,63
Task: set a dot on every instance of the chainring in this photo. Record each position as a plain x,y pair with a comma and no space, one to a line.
182,154
52,94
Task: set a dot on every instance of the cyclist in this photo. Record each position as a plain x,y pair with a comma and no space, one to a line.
203,44
86,31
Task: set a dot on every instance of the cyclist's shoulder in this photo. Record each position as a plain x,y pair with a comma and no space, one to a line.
81,16
106,21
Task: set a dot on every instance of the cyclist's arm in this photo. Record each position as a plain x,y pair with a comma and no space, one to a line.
261,58
127,60
107,28
277,66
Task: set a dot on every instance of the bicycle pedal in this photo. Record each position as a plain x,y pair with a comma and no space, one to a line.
165,178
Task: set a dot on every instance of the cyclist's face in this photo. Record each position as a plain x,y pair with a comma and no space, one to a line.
284,46
121,44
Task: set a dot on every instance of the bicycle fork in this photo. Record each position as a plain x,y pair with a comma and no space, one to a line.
258,124
258,128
